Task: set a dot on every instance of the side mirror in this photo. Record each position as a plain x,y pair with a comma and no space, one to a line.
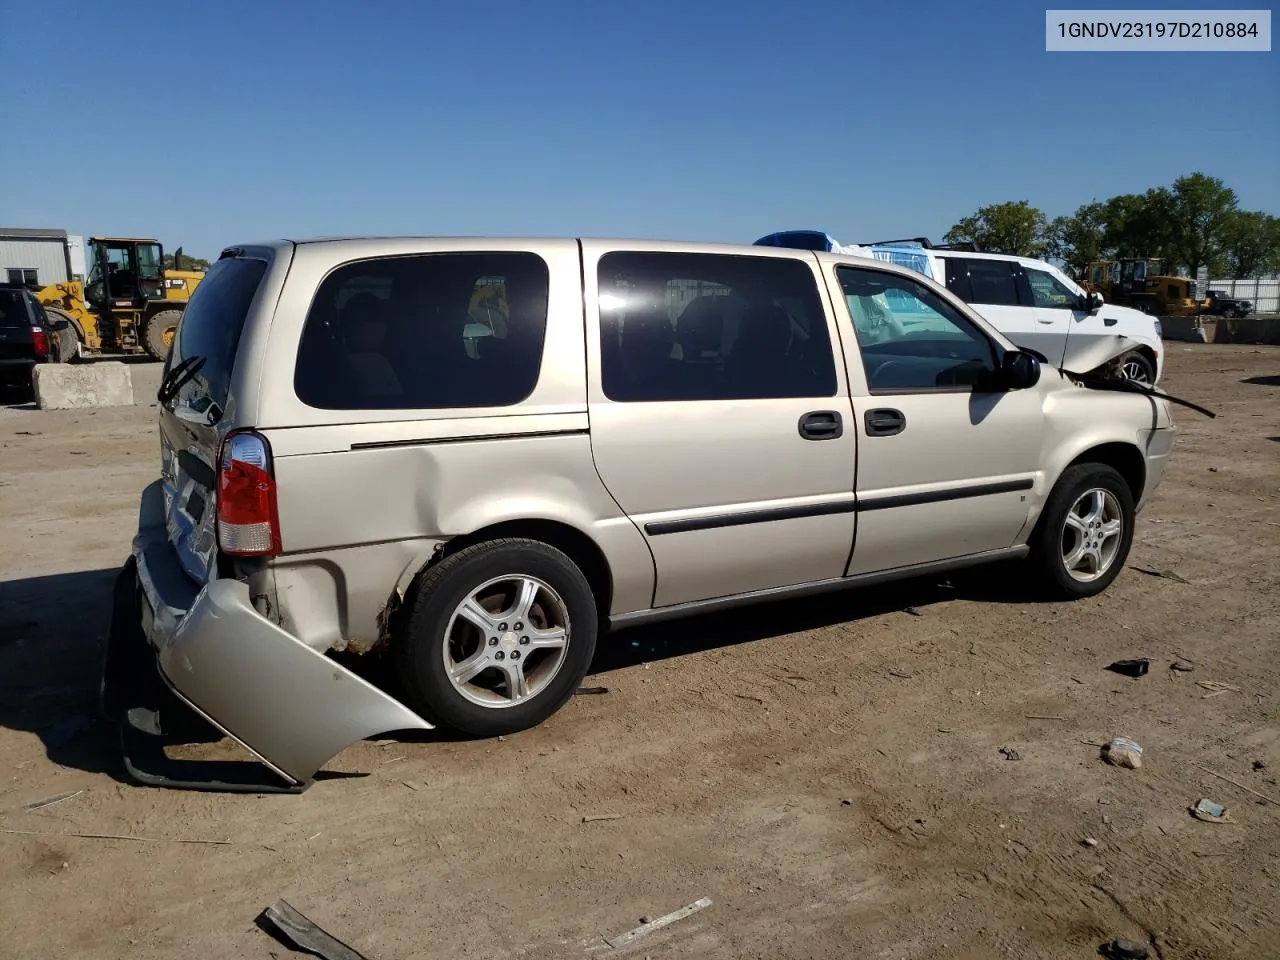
1093,302
1019,370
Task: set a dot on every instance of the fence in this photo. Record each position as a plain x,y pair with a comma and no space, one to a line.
1263,294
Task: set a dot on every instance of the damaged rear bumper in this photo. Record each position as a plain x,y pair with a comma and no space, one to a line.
214,654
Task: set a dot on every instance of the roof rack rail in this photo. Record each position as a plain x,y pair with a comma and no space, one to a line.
926,243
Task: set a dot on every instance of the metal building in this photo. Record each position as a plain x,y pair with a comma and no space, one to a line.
36,257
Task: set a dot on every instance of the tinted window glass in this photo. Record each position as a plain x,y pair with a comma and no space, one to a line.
958,279
991,281
711,327
1048,291
210,329
910,338
13,310
436,331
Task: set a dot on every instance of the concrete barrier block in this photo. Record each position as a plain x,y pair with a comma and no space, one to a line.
1186,329
65,386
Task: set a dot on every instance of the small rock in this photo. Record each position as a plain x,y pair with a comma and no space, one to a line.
1089,842
1010,753
846,803
1123,752
1213,469
1259,765
646,919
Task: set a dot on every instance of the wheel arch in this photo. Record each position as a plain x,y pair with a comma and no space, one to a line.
578,546
1123,457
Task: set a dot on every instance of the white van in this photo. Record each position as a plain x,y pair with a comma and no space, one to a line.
1033,303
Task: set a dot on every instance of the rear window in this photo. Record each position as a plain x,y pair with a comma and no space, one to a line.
434,331
210,328
14,313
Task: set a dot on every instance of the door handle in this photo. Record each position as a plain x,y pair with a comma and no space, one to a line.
822,425
884,422
1109,321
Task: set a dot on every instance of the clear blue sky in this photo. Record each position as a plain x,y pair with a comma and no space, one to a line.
702,119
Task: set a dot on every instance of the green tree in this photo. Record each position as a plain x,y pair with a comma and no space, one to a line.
188,262
1077,240
1138,224
1201,209
1252,244
1014,227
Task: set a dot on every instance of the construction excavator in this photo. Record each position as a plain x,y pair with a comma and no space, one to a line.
129,303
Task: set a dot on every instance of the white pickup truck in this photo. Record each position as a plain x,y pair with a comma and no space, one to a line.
1032,302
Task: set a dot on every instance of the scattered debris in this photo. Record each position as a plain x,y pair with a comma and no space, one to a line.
747,696
58,798
1210,812
115,836
623,939
1034,716
1089,842
1216,688
1010,753
1163,574
1123,752
411,784
1259,765
1124,950
295,930
392,760
1131,668
593,817
314,835
846,802
592,690
893,672
912,611
944,730
1237,783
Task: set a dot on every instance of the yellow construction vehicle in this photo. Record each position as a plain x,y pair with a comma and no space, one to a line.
1144,284
128,304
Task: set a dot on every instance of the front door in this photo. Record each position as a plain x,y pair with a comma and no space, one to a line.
944,466
720,421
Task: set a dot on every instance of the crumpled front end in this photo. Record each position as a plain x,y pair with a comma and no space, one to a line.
291,706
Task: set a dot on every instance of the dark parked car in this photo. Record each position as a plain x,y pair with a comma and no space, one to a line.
26,337
1220,305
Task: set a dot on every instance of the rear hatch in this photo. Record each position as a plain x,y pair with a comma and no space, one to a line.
194,399
16,325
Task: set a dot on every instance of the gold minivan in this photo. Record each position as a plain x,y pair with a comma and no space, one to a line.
474,456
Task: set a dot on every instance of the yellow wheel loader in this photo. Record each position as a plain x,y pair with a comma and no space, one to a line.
129,304
1144,284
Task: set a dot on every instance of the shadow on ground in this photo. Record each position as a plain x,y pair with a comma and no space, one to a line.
1269,381
53,633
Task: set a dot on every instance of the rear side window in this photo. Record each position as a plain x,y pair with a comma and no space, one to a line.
210,329
435,331
989,281
690,326
14,313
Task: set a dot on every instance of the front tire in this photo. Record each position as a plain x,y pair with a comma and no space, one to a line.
1083,538
158,333
498,637
1139,368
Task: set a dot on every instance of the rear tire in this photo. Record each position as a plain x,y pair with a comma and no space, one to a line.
479,618
1083,536
157,335
69,345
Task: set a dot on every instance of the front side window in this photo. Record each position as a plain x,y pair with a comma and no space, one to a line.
434,331
681,326
1048,291
910,339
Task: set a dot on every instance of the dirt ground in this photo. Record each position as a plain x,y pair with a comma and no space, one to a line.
829,772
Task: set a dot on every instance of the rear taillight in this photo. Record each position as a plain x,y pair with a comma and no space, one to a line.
40,342
248,522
